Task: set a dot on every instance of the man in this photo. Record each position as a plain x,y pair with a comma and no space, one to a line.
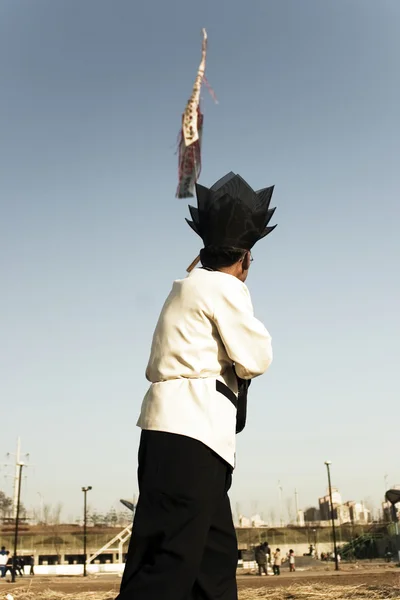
206,348
9,564
261,559
19,566
268,552
31,564
3,561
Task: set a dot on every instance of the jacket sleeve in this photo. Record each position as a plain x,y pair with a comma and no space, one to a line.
246,340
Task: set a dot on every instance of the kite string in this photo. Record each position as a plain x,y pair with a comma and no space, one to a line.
211,91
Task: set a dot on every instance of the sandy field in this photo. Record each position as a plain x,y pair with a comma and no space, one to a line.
351,583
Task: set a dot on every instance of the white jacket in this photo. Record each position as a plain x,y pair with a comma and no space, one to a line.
206,325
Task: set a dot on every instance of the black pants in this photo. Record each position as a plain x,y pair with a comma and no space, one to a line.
183,544
262,567
277,570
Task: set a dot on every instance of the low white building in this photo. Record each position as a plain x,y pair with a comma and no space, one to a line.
244,521
254,521
257,521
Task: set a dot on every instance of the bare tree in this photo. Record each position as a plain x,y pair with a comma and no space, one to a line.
5,505
369,505
95,518
55,521
112,517
238,512
124,518
51,519
6,508
56,514
46,514
289,507
36,516
272,517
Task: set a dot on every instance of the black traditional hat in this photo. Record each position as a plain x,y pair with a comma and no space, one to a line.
231,214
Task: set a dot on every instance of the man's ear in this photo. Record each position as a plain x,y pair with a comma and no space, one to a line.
246,261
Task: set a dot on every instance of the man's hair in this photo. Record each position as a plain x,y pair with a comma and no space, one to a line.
214,257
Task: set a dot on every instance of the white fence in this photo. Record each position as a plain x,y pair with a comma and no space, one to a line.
76,569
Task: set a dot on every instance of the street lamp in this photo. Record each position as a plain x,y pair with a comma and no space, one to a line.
14,562
328,463
315,541
85,490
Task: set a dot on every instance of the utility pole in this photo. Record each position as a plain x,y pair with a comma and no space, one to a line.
328,464
296,502
20,465
17,475
85,490
18,472
280,489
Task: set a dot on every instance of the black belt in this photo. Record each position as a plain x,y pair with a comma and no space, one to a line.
239,401
227,392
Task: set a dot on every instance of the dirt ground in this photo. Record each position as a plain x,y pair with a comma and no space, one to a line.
349,574
100,584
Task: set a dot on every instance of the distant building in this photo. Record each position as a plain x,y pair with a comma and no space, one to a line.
300,518
312,515
342,513
244,521
325,507
358,512
256,521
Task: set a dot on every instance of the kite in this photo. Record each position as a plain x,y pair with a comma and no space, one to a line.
191,133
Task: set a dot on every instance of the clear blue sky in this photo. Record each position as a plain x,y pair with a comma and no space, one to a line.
91,235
